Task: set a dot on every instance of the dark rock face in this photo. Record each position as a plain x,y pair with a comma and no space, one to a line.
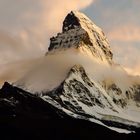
114,91
123,99
137,93
26,116
70,22
20,102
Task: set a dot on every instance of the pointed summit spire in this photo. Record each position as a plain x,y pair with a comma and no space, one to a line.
71,21
79,31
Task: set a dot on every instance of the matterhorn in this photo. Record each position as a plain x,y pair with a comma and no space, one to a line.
75,91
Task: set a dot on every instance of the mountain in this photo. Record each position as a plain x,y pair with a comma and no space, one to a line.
26,116
75,91
80,32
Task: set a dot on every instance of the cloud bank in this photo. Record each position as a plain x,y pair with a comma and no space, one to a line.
51,70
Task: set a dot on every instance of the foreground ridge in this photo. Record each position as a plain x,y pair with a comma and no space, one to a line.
29,116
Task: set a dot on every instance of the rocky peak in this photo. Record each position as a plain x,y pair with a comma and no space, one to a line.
80,71
5,89
80,32
77,19
71,21
77,69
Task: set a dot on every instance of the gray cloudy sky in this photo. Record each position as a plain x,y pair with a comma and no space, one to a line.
27,25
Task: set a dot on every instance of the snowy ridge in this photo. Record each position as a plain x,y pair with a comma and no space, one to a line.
81,97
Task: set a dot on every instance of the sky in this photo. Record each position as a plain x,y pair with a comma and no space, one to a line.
27,25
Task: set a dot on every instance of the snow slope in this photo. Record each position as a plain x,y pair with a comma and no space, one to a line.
83,98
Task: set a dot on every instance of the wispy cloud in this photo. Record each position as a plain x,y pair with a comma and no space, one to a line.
127,55
125,41
125,33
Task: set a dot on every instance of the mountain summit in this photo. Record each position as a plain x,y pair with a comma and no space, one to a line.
80,32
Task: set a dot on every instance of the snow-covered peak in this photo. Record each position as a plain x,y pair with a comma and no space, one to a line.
81,97
77,19
80,32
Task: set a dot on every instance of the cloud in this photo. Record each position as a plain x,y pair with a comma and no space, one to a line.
27,25
51,70
12,71
125,42
14,48
133,71
127,55
125,33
